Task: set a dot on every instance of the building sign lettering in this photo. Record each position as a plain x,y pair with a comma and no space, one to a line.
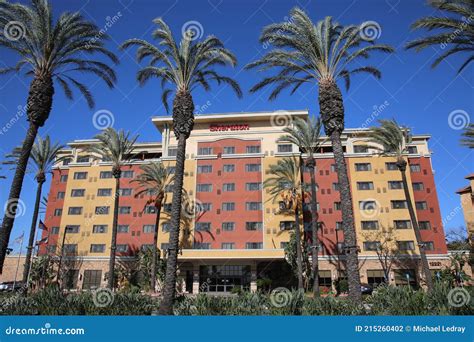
231,127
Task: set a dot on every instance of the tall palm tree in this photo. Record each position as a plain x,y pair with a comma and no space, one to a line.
306,134
392,140
468,136
285,185
117,148
50,51
455,30
153,181
322,53
185,67
43,157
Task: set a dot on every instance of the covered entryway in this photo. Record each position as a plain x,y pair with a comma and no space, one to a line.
224,278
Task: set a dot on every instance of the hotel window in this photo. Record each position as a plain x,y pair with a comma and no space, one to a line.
335,186
99,229
127,174
370,225
395,185
253,206
97,248
254,245
253,149
80,175
252,167
228,226
391,166
74,211
429,245
66,161
102,210
361,149
333,167
166,227
122,248
203,226
283,245
150,209
339,225
172,151
398,204
402,224
337,206
70,248
92,279
405,277
63,178
253,225
171,170
412,150
126,192
146,247
204,151
228,187
164,246
72,229
365,186
287,225
78,192
58,212
363,167
229,150
54,230
51,249
253,186
204,169
106,159
204,207
228,245
83,159
371,245
418,186
325,278
105,174
229,168
169,187
167,207
125,210
204,188
375,277
285,148
202,245
424,225
406,245
228,206
104,192
421,205
123,228
148,228
415,168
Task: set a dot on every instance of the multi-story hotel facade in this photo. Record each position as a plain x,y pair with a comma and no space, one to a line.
467,205
237,234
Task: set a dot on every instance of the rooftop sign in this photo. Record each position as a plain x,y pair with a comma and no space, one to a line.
231,127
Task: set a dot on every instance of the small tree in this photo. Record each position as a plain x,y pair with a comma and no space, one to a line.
291,258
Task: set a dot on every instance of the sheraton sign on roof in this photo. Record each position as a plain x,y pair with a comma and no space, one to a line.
231,127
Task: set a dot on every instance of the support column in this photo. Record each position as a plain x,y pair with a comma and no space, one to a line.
195,279
253,277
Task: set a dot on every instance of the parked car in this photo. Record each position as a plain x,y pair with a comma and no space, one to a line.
366,289
11,286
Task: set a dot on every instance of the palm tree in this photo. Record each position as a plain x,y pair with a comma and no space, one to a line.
43,157
468,136
153,182
322,53
457,30
392,140
285,185
117,148
50,50
185,67
306,134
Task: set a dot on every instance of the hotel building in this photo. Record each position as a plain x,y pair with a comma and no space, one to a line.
467,204
238,234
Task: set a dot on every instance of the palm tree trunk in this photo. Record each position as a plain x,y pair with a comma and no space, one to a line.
299,254
29,249
166,305
15,191
314,231
332,114
424,261
113,242
155,248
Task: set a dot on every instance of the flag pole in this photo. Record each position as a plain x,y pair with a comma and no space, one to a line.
18,262
32,256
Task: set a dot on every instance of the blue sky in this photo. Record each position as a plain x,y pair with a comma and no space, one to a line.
412,92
